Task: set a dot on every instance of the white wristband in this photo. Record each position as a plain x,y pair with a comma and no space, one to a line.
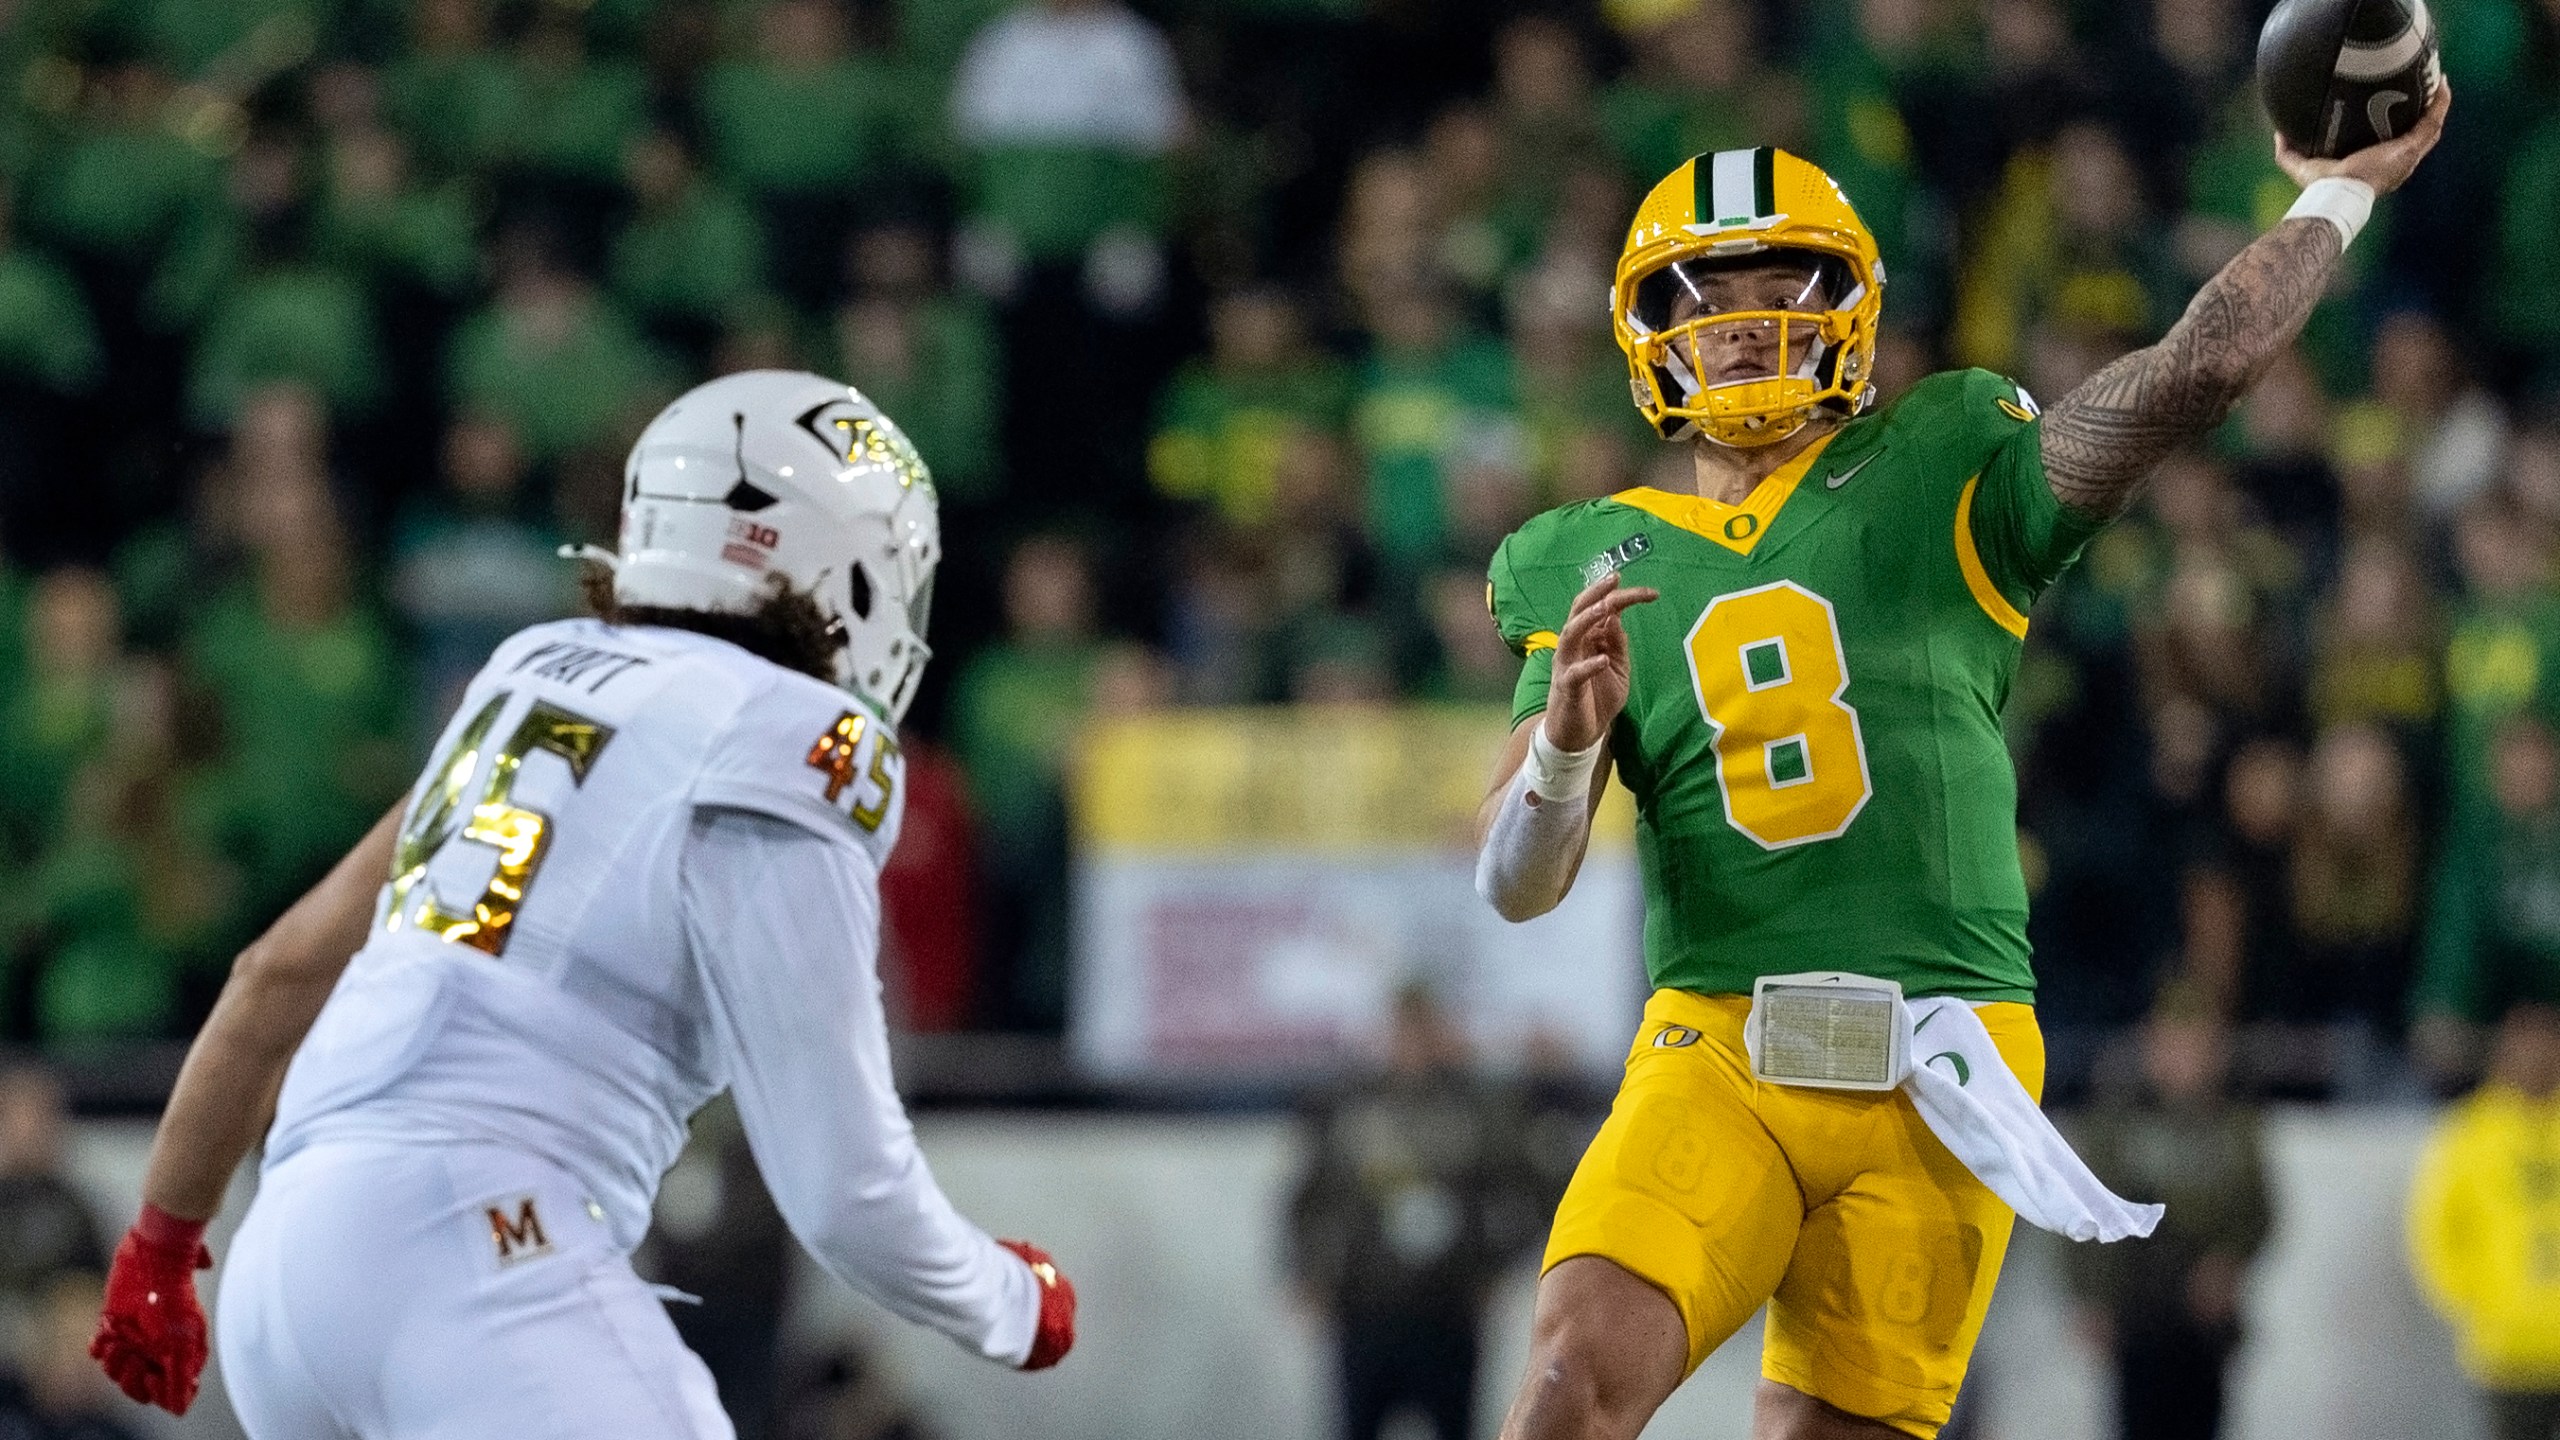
1559,774
2342,202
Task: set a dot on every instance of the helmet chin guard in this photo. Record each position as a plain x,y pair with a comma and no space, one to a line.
774,476
1754,411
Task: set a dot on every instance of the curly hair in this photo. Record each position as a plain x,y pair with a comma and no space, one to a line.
788,628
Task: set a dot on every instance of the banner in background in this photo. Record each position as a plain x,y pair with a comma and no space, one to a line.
1254,886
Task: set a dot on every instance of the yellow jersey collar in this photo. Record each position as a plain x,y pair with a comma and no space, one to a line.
1735,527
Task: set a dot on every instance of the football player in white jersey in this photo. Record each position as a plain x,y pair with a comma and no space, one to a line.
641,867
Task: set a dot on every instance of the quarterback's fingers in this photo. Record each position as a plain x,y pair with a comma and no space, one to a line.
2430,126
1598,590
1582,672
1575,634
2385,166
1604,608
1591,593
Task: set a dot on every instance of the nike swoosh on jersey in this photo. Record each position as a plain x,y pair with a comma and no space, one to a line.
1836,481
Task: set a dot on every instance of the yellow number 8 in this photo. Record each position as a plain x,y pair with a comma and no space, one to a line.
1770,674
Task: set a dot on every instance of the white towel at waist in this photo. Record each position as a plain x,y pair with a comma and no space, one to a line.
1978,1110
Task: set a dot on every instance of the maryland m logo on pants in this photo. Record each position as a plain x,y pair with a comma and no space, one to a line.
520,1238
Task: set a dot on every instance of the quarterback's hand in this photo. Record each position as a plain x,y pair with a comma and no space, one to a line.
2385,167
151,1338
1591,671
1056,1333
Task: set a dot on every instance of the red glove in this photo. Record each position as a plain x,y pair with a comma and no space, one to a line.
151,1340
1057,1332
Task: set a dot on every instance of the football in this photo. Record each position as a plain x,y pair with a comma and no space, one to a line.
2339,75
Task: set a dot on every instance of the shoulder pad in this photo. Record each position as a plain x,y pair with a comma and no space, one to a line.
806,752
1969,398
1540,567
1962,417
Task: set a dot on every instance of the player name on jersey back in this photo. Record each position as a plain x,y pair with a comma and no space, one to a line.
578,665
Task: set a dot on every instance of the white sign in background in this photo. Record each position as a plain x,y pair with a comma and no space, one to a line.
1272,965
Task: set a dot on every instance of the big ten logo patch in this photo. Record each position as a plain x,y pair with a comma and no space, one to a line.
1614,559
515,1229
750,543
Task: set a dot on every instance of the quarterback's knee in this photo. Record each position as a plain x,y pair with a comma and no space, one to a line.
1583,1383
1565,1394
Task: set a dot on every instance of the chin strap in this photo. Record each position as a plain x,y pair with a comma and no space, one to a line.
596,553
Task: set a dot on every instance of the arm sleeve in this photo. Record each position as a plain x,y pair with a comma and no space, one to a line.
2025,536
784,927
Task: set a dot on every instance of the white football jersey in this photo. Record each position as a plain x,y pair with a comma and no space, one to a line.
643,866
528,978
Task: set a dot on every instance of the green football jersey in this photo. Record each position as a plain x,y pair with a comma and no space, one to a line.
1813,734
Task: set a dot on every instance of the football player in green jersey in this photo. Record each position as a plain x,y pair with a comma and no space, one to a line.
1798,670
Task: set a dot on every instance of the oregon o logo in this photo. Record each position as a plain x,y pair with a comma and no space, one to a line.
1674,1037
1742,527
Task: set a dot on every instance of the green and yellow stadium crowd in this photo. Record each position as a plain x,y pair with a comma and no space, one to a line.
1237,332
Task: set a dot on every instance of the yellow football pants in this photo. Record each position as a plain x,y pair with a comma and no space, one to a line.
1874,1248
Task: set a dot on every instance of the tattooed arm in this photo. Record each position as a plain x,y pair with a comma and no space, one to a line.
2102,440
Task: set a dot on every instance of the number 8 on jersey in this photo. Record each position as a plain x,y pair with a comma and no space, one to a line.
1770,675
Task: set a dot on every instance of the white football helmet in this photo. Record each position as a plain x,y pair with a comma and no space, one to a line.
782,473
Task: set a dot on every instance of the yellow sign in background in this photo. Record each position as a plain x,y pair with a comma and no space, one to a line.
1296,778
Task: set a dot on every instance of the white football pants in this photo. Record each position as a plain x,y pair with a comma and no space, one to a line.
404,1292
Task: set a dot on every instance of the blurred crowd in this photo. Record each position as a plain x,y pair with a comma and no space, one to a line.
1236,333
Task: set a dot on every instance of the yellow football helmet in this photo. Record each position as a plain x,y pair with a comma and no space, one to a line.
1716,211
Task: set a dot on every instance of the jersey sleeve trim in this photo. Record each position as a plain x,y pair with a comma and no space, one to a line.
1538,640
1977,579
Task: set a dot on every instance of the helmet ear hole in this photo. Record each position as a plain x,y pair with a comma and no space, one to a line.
861,585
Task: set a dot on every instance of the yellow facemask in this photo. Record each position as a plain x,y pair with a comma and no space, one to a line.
1730,207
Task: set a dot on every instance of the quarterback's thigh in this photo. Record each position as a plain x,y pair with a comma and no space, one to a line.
1893,1273
1683,1187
